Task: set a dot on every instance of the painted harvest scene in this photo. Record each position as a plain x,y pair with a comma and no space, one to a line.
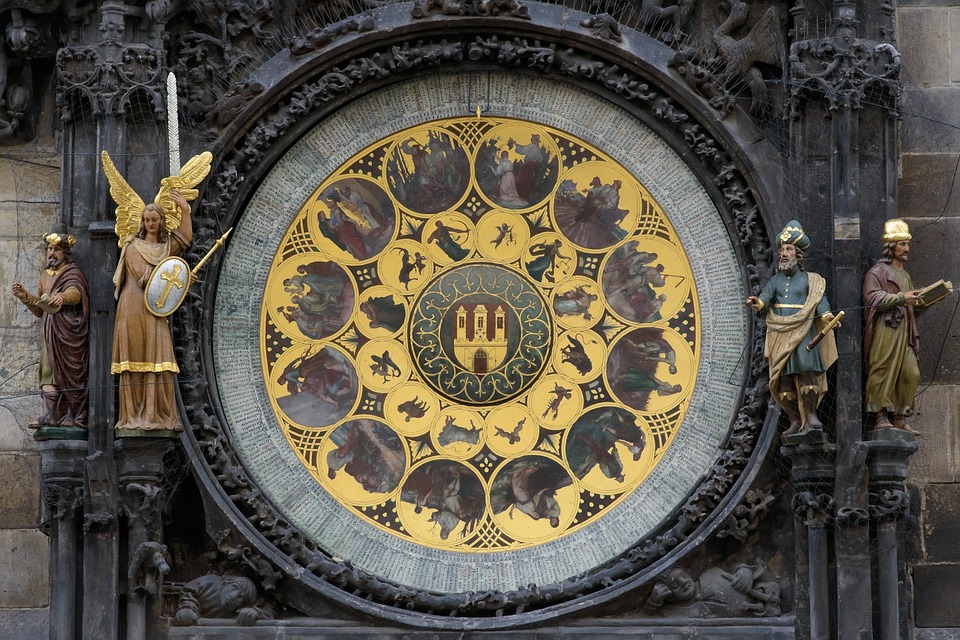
480,334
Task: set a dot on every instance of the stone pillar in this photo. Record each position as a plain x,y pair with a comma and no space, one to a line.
110,68
812,476
890,450
845,140
61,477
140,469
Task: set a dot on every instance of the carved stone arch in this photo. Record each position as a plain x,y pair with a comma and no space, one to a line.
76,104
733,163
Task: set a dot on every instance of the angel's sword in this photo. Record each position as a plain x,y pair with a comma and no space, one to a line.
173,125
173,147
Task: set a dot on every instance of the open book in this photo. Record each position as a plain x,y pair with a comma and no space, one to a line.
43,303
935,292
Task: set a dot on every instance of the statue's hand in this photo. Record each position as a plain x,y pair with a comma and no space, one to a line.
911,298
247,616
754,303
828,318
19,292
56,300
185,618
657,598
742,580
178,199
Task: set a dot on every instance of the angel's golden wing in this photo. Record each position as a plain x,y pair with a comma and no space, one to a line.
129,204
191,174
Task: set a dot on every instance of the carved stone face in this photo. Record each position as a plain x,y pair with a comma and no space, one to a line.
681,584
233,597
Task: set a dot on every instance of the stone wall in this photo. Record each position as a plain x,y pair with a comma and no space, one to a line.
929,39
29,200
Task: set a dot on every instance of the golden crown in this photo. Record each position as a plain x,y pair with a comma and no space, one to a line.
62,240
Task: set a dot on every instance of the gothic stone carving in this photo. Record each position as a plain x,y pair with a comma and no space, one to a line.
843,74
747,515
213,596
398,60
735,59
747,591
814,505
108,85
889,503
505,8
321,37
149,563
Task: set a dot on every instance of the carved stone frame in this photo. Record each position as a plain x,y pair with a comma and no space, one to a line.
736,167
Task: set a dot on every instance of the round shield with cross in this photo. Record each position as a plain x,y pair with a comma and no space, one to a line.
167,286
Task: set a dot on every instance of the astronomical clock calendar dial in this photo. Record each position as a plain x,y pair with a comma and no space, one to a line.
477,352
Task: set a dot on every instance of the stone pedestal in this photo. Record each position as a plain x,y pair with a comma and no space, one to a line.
62,465
889,453
812,476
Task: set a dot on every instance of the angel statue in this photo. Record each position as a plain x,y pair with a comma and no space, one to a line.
143,354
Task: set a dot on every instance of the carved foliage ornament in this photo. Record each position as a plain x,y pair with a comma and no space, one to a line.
108,86
845,75
889,503
397,61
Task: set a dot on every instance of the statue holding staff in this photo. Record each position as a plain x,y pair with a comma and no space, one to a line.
796,308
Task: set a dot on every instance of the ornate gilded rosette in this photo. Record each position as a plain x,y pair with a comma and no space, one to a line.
480,334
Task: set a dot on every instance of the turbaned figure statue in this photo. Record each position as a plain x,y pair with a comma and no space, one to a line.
796,309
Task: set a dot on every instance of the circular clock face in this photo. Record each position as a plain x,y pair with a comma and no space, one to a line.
473,352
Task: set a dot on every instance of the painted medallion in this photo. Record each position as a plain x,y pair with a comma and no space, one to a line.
480,334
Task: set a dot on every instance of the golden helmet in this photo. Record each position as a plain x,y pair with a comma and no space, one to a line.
895,230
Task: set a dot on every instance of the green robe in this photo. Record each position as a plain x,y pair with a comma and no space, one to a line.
790,329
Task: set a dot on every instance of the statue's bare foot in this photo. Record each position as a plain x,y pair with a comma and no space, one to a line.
883,422
793,429
909,429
